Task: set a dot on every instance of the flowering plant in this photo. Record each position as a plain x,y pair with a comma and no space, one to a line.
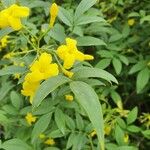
54,89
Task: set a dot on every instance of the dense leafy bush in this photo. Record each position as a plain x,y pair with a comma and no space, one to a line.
74,75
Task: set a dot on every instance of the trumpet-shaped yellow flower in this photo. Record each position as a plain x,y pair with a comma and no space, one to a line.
69,97
30,118
40,70
11,16
53,13
50,141
3,42
69,53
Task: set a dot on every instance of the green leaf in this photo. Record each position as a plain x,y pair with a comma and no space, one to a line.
88,19
12,70
65,16
60,120
15,144
117,65
146,134
133,128
124,59
6,87
70,140
105,53
88,99
126,148
69,122
47,87
4,32
145,18
89,41
15,99
51,148
104,63
86,72
137,67
142,79
121,123
58,33
132,115
8,3
119,134
40,126
79,122
115,37
83,7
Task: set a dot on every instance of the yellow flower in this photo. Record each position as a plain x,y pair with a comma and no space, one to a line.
30,118
53,13
107,129
126,138
3,42
40,70
45,67
11,17
69,53
131,22
42,136
50,141
69,97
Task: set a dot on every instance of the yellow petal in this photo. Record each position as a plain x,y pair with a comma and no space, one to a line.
19,11
4,19
34,76
15,23
69,61
71,44
88,57
79,56
62,51
35,66
51,71
54,10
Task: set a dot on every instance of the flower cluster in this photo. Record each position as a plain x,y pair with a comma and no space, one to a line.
30,118
11,16
48,141
40,70
69,53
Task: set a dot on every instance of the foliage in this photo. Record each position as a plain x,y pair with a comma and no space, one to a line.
74,76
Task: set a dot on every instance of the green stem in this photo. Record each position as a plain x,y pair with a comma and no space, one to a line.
40,38
29,41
